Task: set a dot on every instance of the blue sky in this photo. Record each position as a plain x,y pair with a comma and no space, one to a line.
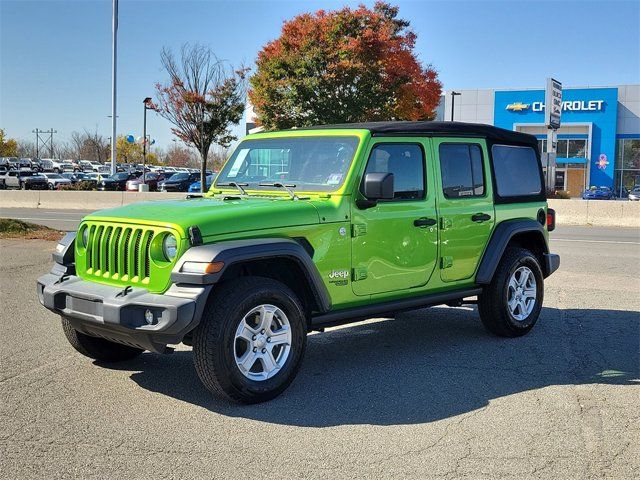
56,56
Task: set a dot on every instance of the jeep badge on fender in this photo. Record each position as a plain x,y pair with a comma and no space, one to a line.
305,229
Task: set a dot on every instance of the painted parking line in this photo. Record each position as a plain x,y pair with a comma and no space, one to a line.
594,241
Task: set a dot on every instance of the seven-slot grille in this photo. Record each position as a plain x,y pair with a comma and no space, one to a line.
119,252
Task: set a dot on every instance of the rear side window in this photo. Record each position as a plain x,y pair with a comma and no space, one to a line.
462,171
517,171
406,162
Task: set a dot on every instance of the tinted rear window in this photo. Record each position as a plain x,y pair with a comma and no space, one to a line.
517,171
461,168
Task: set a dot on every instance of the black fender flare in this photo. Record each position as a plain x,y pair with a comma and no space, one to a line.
500,238
237,251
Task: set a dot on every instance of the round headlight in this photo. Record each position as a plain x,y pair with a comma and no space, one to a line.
169,247
85,237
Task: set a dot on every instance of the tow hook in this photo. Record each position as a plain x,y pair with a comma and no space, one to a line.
124,292
61,279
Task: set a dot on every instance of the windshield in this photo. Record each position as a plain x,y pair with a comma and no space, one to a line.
118,176
309,163
53,175
180,176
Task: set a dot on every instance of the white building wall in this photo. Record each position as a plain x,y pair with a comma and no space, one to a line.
474,106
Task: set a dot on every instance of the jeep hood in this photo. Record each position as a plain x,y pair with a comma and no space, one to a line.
215,216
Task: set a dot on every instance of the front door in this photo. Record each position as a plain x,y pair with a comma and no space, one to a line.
465,202
395,243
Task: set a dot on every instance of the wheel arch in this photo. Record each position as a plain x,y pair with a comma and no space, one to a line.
282,259
525,233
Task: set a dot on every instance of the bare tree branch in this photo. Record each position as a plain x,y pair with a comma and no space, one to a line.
203,97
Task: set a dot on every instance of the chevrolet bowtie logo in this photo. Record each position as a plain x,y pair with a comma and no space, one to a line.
518,106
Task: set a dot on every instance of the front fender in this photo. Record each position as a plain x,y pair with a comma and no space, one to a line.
238,251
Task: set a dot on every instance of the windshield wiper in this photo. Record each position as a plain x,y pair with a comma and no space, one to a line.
237,185
288,188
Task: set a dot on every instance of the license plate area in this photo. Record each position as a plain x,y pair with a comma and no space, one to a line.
83,305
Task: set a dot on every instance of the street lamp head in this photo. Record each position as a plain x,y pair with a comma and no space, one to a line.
146,100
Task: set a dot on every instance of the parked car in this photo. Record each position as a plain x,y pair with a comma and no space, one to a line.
93,177
634,194
57,166
72,177
13,163
46,165
597,193
117,181
379,218
167,176
55,180
151,179
180,182
195,186
25,180
26,164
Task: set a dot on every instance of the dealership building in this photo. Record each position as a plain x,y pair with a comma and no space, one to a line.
598,141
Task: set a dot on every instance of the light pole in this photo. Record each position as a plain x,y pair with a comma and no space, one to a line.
146,103
453,101
114,62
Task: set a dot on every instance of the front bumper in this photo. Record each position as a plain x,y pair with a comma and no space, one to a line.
108,312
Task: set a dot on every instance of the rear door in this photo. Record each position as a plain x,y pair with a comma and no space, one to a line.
465,201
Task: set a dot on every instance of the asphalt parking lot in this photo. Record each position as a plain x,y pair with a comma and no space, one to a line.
427,395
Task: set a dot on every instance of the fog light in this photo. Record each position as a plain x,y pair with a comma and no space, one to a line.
148,316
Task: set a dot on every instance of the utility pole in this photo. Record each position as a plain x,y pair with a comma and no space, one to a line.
114,62
41,137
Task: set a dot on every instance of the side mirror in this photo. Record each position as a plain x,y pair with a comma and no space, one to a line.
376,186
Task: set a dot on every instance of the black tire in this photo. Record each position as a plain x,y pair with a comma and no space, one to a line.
214,339
493,303
50,185
98,348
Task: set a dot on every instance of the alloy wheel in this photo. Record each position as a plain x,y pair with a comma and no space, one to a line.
262,342
521,293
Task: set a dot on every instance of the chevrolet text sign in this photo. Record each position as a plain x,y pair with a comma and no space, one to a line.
573,106
553,104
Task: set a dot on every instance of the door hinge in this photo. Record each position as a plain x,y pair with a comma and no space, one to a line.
446,262
445,223
359,273
358,229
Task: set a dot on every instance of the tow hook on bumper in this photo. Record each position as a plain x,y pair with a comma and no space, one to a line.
137,318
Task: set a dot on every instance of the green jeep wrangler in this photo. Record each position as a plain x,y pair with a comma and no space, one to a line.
306,229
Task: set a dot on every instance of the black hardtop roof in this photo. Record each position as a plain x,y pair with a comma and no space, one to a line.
437,128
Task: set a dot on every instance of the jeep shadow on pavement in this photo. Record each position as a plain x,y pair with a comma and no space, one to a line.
425,366
306,229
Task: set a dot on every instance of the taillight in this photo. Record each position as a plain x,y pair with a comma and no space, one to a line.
551,219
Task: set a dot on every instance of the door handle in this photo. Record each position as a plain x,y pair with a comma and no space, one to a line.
424,222
480,217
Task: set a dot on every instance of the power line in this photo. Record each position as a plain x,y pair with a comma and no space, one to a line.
41,137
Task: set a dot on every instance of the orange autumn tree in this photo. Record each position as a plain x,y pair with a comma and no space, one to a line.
348,65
